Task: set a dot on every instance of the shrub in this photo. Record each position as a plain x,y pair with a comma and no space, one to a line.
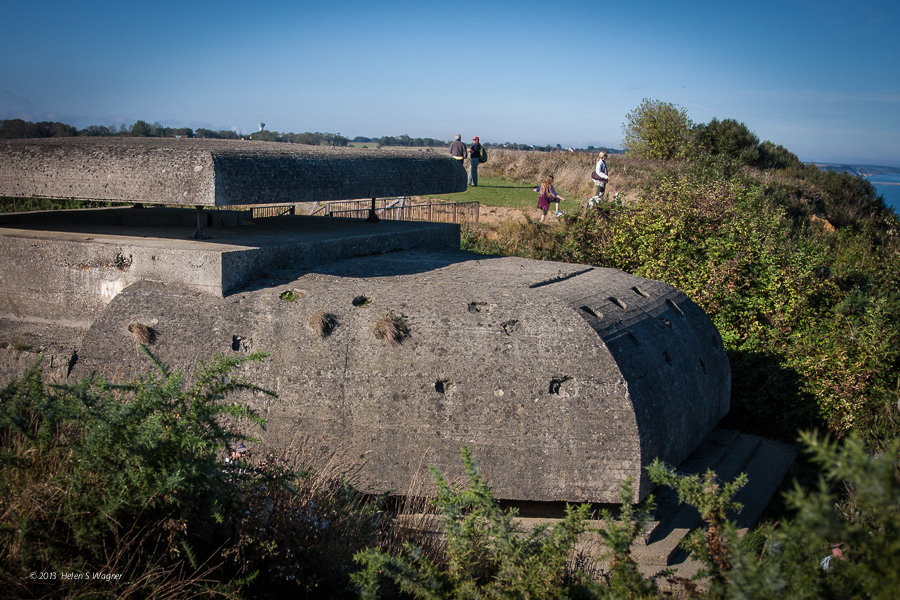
487,556
657,130
91,470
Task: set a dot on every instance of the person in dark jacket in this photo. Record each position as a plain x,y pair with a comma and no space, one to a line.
458,150
474,153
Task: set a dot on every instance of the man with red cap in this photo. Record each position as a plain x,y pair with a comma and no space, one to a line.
474,154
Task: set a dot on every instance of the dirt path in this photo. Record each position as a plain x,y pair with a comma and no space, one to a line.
492,216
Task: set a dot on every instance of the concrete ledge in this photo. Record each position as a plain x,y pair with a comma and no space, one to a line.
189,172
69,265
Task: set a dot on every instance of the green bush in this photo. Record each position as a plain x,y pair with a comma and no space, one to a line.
487,556
131,479
857,505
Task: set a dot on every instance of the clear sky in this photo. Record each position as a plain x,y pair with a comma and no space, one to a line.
820,77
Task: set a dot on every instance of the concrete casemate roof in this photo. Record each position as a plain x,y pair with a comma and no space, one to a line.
203,172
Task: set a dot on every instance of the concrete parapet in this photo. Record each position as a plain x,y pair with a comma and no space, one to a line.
67,266
201,172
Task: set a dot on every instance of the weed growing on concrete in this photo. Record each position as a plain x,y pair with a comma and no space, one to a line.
391,328
142,333
322,323
290,295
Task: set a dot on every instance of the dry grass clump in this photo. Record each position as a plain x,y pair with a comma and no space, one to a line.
304,529
322,323
143,334
391,328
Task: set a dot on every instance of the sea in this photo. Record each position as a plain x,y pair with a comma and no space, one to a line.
888,186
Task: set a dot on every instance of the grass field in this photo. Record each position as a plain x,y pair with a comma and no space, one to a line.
493,191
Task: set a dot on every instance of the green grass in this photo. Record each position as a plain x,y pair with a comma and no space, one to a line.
493,191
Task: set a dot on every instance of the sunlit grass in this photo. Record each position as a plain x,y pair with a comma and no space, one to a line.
494,191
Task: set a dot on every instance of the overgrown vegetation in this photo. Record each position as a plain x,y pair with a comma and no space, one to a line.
798,268
128,491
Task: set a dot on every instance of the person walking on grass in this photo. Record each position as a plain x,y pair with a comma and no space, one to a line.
474,154
545,194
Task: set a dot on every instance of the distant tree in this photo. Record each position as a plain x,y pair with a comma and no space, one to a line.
266,136
728,139
14,129
97,131
19,129
657,129
776,157
222,134
141,129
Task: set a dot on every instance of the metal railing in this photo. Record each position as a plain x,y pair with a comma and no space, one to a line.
274,210
399,209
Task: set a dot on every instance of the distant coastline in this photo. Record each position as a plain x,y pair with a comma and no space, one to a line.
862,170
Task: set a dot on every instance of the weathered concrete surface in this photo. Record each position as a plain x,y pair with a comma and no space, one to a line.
562,379
217,172
66,266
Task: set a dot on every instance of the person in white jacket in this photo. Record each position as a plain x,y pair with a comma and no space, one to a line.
602,176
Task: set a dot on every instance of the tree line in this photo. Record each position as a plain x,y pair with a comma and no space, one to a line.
14,129
20,129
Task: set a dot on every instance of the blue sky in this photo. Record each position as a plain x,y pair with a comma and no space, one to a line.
821,78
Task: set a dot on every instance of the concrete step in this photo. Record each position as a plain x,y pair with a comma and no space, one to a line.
727,453
766,472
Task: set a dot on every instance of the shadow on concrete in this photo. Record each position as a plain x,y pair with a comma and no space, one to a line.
388,264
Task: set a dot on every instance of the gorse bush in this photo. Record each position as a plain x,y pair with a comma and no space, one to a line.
487,555
130,480
103,465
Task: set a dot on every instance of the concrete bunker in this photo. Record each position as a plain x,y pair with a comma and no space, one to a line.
563,379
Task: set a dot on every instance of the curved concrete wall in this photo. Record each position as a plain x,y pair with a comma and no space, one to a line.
563,380
217,172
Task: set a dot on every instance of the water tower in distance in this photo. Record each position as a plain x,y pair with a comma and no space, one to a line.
261,125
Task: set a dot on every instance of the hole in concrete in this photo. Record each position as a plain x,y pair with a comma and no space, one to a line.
674,307
592,312
360,301
479,307
634,339
667,357
239,344
617,302
73,360
666,321
640,292
558,386
510,327
444,387
702,365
